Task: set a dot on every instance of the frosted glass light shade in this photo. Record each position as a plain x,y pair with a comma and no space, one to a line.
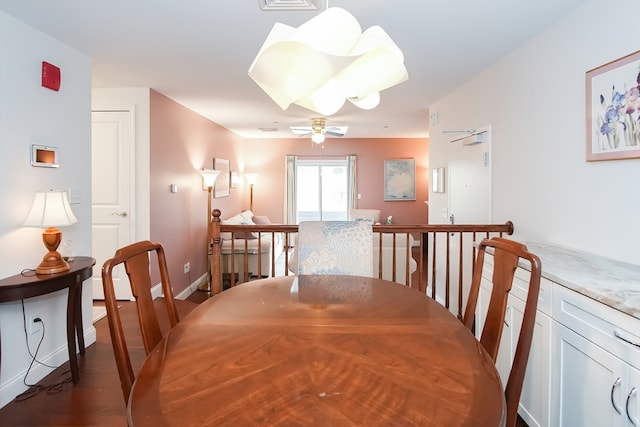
318,138
326,61
209,177
251,178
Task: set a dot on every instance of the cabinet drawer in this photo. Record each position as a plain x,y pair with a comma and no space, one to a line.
609,328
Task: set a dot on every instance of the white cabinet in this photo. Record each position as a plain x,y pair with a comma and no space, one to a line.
584,365
596,363
534,406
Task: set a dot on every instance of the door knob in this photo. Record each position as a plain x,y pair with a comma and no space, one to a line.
122,214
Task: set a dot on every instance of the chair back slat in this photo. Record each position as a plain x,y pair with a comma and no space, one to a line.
508,255
136,261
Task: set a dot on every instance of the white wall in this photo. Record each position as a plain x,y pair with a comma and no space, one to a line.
31,114
534,100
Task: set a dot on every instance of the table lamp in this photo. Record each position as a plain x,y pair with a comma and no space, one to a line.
52,210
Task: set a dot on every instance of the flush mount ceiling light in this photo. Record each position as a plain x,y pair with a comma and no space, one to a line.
326,61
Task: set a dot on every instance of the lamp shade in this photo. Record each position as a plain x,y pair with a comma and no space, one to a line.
50,209
251,178
326,61
209,177
317,137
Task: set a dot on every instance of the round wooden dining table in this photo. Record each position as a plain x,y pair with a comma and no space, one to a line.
318,350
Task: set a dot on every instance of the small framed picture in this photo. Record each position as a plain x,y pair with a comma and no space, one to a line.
437,180
613,115
223,182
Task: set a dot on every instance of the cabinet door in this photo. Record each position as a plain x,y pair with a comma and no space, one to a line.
588,382
534,401
632,398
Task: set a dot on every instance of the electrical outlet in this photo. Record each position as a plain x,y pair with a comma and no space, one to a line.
35,324
187,267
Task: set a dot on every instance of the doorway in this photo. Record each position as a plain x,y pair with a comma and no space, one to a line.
112,189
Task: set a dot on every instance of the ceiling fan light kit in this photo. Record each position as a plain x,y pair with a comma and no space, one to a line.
326,61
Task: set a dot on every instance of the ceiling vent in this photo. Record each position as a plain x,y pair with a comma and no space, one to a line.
290,4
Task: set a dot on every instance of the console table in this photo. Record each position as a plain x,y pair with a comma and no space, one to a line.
21,286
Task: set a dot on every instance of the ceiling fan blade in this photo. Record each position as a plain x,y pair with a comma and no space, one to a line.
336,130
301,131
328,132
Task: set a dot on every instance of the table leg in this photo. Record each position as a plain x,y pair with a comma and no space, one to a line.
79,326
72,326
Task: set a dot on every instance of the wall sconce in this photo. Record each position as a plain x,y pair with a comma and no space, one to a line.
51,210
251,179
235,179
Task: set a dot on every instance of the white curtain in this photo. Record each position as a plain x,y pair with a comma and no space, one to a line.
351,178
290,189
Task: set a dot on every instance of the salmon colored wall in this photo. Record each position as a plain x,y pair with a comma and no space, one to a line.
181,143
266,157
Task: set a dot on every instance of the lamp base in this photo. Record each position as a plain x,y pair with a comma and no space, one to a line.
52,263
205,287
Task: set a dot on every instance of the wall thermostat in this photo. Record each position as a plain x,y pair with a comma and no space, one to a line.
43,156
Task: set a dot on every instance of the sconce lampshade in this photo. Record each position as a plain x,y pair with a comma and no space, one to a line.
209,177
251,178
52,210
326,61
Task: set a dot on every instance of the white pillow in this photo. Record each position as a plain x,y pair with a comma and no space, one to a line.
373,214
238,219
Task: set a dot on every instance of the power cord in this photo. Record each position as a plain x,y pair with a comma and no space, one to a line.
26,338
36,388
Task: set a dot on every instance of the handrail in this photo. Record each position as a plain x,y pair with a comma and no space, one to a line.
444,254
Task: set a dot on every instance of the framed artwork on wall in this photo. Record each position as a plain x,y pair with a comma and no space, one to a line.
437,180
613,111
399,179
223,182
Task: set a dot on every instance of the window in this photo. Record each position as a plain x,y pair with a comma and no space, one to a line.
322,190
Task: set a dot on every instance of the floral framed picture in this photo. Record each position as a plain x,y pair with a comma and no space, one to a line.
399,180
613,110
223,182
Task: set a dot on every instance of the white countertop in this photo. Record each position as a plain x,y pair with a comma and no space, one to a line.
614,283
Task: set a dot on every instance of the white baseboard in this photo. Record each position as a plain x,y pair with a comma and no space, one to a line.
15,386
156,291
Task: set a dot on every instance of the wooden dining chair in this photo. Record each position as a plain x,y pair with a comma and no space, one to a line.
507,255
335,247
136,259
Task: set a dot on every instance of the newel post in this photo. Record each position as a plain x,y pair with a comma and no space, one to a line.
216,242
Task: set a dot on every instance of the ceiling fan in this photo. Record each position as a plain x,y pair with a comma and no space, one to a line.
318,130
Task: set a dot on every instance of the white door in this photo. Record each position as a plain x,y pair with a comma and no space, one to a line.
470,182
469,190
112,192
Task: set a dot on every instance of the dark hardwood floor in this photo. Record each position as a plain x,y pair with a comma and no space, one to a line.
97,399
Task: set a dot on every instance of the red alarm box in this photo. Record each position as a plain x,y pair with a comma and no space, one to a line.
50,76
